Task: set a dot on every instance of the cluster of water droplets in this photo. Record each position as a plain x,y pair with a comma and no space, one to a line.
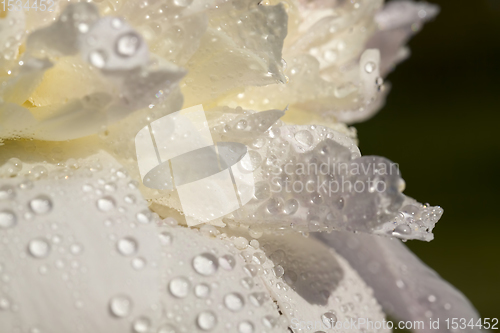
312,178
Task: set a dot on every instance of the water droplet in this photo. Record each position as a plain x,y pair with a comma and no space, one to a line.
304,137
39,248
76,249
116,23
7,192
329,319
41,205
241,125
165,238
257,299
179,287
227,262
206,320
127,246
141,325
205,264
128,44
7,219
138,263
120,306
98,58
402,229
106,204
278,271
183,3
370,67
234,302
432,298
202,290
144,216
259,258
291,206
247,282
83,28
245,327
4,304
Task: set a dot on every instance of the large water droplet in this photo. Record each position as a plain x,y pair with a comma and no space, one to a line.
98,58
370,67
205,264
304,137
41,204
127,246
141,325
179,287
291,206
105,204
245,327
227,262
329,319
7,219
206,320
39,248
120,306
402,229
128,44
234,302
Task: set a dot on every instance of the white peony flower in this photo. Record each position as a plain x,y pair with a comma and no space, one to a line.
86,247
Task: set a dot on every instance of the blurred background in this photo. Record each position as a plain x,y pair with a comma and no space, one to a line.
441,124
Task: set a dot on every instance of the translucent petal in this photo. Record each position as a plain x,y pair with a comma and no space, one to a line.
404,285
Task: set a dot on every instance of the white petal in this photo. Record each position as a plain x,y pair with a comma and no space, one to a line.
404,285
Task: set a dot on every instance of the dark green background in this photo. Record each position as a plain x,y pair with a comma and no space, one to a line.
441,124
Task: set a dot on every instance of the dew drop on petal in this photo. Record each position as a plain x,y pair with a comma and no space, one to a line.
227,262
402,229
39,248
128,44
7,192
202,290
106,204
41,205
329,319
7,219
234,302
370,67
165,238
245,327
179,287
141,325
127,246
98,58
257,299
291,206
206,320
304,137
144,216
205,264
138,263
120,306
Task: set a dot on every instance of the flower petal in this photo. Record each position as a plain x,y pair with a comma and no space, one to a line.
404,285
